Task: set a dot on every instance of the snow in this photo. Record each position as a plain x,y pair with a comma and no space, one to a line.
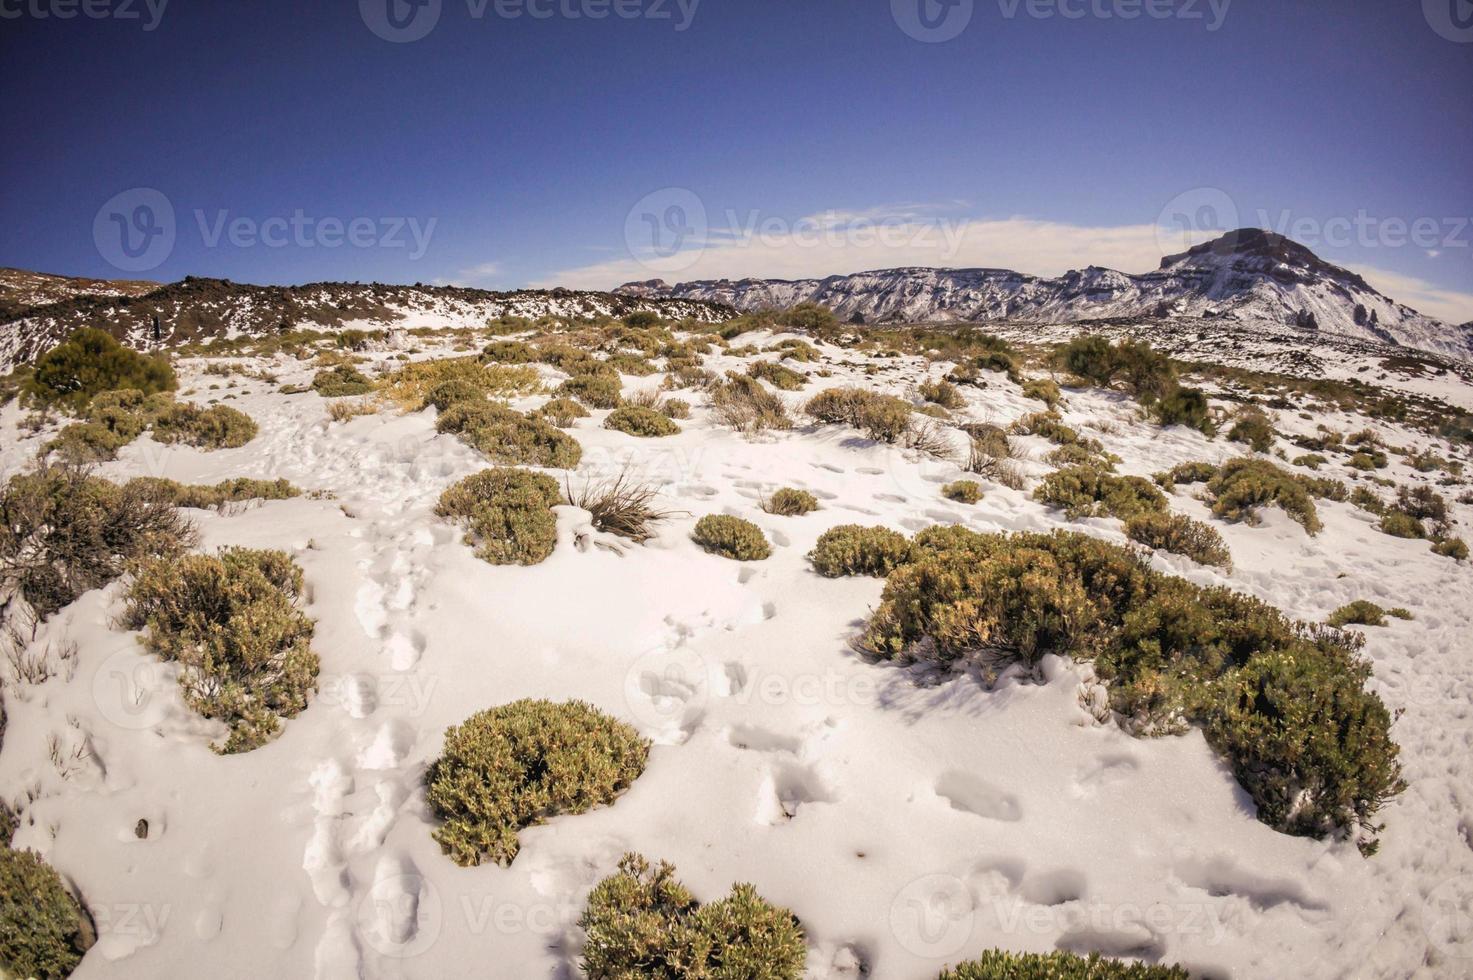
909,820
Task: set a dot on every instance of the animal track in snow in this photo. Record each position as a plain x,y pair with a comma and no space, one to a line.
785,788
971,793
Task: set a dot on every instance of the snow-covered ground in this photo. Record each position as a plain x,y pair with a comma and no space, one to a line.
909,821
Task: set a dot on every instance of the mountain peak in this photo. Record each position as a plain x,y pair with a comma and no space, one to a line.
1253,243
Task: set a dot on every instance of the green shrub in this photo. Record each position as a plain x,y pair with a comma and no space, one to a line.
852,549
1454,548
731,537
1423,503
518,764
631,364
1400,525
790,502
637,420
216,427
675,408
1089,491
90,361
996,964
593,390
1255,429
1133,365
231,622
1197,472
883,418
509,352
797,350
409,387
740,403
506,436
87,442
341,381
989,440
1312,461
1044,390
777,375
963,491
1363,612
1243,485
1284,703
63,533
1324,488
452,392
1180,535
942,393
42,930
561,412
643,923
207,497
507,512
1051,427
1183,406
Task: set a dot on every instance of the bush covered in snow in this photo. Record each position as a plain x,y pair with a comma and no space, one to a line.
42,930
852,549
1179,535
637,420
790,502
231,621
1241,486
1285,703
731,537
503,435
963,491
883,418
642,922
63,532
507,513
89,362
516,765
997,964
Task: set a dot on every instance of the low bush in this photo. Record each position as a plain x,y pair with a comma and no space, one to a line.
636,420
509,352
731,537
997,964
1454,548
1183,406
1363,612
1286,704
1180,535
409,386
741,404
620,506
216,427
1400,525
1196,472
633,364
63,532
883,418
593,390
341,381
1132,365
561,412
643,923
852,549
89,362
217,496
1242,485
675,408
518,764
87,442
777,375
790,502
1051,427
507,513
1044,390
452,392
963,491
506,436
231,622
1090,491
1253,428
942,393
43,932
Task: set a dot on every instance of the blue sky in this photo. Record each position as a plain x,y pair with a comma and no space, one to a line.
505,151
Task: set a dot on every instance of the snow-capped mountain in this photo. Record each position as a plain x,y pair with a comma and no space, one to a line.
197,309
1247,275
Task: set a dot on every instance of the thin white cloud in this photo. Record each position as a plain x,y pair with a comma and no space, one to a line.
476,275
1448,305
